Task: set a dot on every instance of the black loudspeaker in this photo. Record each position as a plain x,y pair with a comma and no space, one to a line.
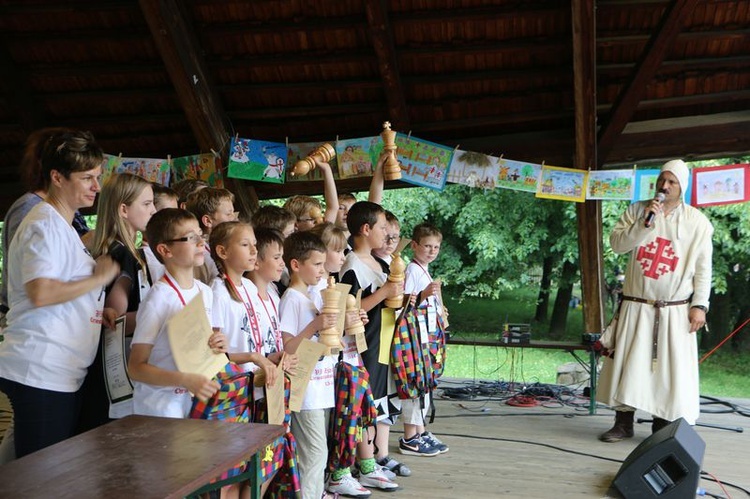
665,465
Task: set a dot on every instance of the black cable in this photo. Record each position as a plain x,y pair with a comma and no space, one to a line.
706,476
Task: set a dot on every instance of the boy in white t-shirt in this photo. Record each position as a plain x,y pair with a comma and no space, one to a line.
425,244
305,256
160,389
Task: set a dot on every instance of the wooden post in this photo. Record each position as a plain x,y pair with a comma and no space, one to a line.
589,213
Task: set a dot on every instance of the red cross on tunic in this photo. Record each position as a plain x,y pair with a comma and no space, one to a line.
657,258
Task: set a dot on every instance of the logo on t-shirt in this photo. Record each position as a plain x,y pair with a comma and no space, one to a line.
657,258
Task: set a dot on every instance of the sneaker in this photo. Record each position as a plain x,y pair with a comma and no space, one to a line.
417,446
435,442
347,486
392,466
377,479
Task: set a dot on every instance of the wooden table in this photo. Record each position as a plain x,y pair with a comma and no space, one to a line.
570,347
137,456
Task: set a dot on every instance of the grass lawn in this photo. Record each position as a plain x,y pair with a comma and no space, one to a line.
724,374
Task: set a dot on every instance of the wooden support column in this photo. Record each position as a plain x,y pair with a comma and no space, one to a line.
173,34
589,213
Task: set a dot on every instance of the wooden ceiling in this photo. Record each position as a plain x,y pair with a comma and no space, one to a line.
159,77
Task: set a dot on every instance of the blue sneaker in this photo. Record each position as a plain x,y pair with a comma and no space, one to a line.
435,442
417,446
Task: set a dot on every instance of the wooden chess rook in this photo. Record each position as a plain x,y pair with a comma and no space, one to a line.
391,168
398,269
357,326
330,336
324,153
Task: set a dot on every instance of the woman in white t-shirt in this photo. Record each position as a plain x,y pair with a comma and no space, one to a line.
56,298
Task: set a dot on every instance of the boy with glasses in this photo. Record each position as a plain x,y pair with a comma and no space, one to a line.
160,389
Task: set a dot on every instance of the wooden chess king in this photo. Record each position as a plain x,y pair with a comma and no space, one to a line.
330,336
324,153
391,168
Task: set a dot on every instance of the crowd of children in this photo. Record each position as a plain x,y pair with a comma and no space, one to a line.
261,282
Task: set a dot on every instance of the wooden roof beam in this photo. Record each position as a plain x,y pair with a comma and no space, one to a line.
653,54
15,81
181,53
384,46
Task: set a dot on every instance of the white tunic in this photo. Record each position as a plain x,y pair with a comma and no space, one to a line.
670,261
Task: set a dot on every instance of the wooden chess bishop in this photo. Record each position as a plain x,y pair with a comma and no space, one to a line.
398,269
357,326
324,153
391,168
330,336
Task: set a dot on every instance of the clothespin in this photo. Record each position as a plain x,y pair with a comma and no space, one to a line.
408,136
456,148
169,159
236,136
501,155
337,140
216,154
286,141
542,163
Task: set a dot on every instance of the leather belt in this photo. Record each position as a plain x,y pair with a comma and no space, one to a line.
658,305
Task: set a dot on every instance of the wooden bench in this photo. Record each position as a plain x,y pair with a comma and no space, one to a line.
570,347
139,456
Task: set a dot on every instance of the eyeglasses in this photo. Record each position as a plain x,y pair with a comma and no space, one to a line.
392,239
190,238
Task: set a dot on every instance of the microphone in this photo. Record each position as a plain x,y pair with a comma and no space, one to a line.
660,197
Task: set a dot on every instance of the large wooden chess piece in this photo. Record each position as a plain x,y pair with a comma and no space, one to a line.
324,153
316,215
330,336
398,268
357,326
391,168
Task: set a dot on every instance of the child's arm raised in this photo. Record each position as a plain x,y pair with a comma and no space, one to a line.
329,193
378,180
140,370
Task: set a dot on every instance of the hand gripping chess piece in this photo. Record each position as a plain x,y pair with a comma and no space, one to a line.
356,326
398,275
324,153
391,168
330,336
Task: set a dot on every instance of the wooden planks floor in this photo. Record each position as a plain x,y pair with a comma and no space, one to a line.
509,452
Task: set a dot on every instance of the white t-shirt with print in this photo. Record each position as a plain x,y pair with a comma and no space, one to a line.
49,347
418,278
160,305
297,311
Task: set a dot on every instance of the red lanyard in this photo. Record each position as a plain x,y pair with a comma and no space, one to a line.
272,320
250,311
423,270
179,295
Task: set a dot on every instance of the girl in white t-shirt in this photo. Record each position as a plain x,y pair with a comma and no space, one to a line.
234,311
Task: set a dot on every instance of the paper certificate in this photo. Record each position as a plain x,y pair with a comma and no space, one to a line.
387,328
119,387
275,397
188,332
344,290
308,353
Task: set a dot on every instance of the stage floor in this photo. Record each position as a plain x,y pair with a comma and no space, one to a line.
544,452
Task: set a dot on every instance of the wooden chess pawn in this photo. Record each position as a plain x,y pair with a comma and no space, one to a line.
356,326
324,153
330,336
391,167
398,275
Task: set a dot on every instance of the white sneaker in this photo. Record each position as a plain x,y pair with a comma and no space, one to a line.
377,479
347,486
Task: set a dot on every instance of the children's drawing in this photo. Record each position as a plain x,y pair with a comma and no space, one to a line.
153,170
357,157
297,151
567,184
611,184
257,160
473,169
645,185
717,185
518,175
205,167
423,163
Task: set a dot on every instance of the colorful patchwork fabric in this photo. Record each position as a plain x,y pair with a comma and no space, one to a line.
407,359
286,483
354,410
437,351
233,402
